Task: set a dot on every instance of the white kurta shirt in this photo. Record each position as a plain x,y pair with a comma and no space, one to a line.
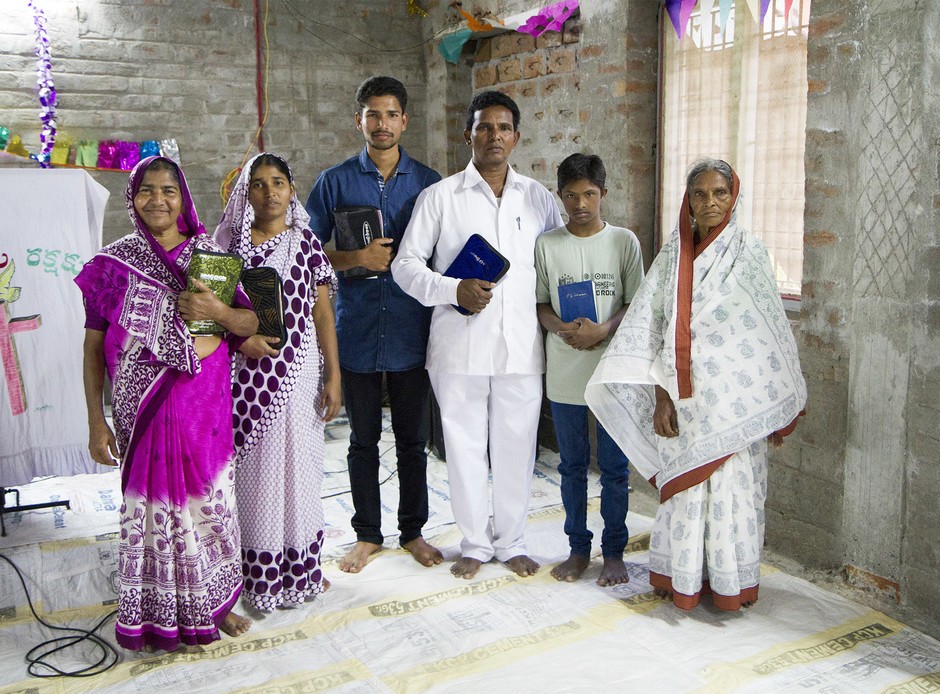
505,337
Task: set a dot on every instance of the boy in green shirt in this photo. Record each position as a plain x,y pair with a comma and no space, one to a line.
587,248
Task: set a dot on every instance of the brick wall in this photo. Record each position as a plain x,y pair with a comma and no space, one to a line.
590,88
137,70
857,487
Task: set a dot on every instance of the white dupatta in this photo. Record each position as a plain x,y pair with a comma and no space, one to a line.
745,373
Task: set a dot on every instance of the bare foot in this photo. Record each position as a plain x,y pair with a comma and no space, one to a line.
325,584
357,558
465,567
424,554
662,593
570,569
235,625
749,603
614,572
523,565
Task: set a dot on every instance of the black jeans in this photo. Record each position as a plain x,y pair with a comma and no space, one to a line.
408,394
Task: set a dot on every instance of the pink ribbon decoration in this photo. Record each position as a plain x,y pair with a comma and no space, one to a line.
550,18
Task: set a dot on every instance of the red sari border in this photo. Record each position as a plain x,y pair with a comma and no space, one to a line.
729,603
688,252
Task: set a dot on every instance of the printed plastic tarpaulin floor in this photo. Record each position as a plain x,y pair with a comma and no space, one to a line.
400,627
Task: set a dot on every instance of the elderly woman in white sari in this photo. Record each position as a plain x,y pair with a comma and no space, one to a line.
702,372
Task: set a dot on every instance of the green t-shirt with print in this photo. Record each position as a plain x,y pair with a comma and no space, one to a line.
613,259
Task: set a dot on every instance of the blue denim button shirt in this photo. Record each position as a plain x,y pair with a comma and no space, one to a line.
379,327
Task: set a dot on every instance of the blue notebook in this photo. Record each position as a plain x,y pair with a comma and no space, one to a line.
576,300
477,260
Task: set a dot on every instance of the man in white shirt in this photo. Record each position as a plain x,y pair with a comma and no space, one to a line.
486,369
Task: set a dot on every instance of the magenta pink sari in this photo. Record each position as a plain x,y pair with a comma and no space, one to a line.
179,567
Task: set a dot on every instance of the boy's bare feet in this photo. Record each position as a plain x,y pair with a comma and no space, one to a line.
357,558
523,565
465,567
614,572
424,554
570,569
235,625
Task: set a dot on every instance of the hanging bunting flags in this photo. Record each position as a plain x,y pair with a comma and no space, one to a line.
786,11
679,12
764,4
705,9
724,12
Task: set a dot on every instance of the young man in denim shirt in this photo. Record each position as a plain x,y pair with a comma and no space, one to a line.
382,331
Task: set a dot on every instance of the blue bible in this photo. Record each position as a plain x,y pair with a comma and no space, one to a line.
576,300
477,260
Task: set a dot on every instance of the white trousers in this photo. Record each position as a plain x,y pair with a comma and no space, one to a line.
501,412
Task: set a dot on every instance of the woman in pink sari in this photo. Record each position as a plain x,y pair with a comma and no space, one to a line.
179,565
282,397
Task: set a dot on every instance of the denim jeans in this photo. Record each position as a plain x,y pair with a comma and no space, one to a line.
408,393
571,430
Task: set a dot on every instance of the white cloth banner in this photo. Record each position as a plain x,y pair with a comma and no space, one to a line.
50,224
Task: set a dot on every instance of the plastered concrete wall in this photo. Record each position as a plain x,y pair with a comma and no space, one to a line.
858,486
145,69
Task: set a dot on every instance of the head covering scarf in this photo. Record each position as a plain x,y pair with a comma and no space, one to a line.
262,386
708,326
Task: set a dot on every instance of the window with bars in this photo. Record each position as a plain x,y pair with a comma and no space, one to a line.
740,95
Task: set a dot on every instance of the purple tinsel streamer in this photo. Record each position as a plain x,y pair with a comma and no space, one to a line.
47,96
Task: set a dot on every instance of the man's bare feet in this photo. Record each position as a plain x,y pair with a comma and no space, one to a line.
234,624
465,567
357,558
662,593
570,569
424,554
614,572
523,565
749,603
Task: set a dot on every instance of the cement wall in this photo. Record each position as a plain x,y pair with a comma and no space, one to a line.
855,489
145,69
859,490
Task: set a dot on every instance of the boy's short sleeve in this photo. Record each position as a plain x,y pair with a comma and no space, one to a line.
631,267
542,291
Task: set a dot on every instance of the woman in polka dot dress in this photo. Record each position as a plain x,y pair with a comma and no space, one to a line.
282,398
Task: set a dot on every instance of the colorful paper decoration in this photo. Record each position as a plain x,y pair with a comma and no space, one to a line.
107,154
473,23
47,95
4,137
549,18
679,12
60,151
87,153
15,146
415,9
452,44
724,11
170,150
128,155
149,148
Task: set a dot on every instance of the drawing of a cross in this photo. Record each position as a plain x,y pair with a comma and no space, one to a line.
11,365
